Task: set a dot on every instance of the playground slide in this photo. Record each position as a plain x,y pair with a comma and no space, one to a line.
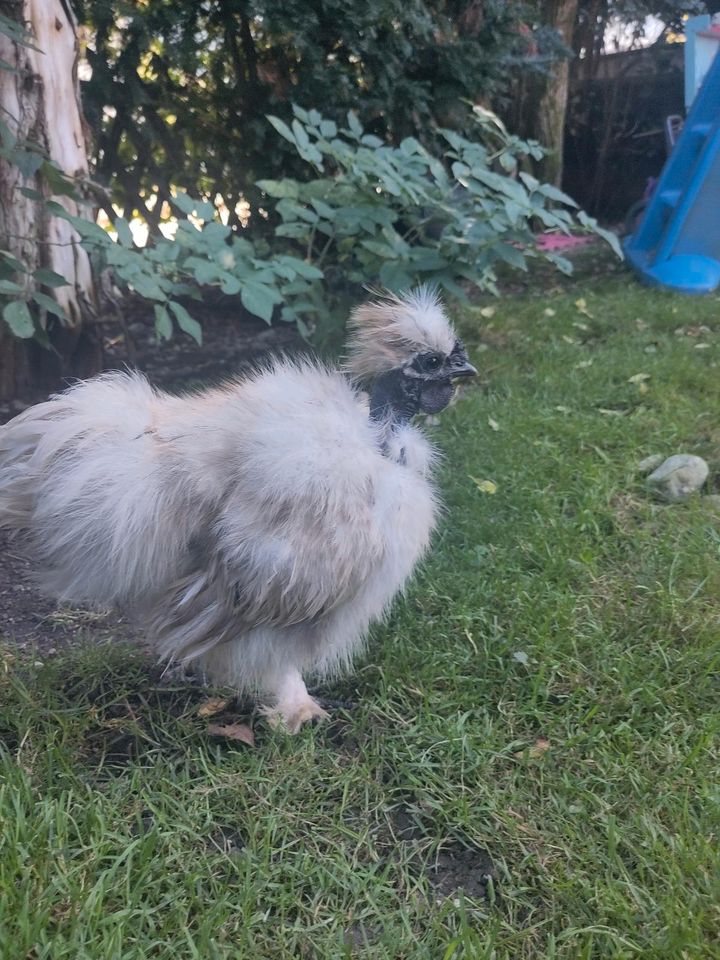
677,243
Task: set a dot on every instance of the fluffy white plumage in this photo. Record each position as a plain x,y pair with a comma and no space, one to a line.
255,529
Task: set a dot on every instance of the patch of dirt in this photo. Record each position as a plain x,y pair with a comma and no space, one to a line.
458,868
458,865
629,511
133,714
232,342
361,936
30,620
227,840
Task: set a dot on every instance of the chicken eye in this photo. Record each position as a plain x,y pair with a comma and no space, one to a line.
432,363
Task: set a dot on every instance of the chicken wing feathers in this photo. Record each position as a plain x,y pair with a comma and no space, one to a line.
259,496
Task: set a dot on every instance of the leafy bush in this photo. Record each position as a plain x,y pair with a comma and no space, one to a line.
399,214
371,214
203,254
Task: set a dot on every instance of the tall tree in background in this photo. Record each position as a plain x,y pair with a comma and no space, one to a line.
574,32
546,104
42,137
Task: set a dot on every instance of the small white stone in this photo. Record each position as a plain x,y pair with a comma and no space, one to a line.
678,477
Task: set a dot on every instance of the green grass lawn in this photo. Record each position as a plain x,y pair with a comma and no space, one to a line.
533,770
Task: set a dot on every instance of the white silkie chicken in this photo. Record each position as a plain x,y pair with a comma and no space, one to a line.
255,529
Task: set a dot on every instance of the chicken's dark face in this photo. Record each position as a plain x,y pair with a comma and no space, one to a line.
423,385
434,374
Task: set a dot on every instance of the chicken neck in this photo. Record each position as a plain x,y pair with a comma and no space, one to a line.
394,398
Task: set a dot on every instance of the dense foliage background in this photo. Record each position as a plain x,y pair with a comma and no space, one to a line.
180,90
188,106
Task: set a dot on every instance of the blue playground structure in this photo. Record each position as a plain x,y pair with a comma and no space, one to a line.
677,242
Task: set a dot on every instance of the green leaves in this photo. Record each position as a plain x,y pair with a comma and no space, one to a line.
399,215
552,193
58,182
382,214
298,136
10,264
280,188
184,203
49,278
354,125
203,209
124,233
17,33
18,317
186,323
259,299
591,224
48,304
148,286
283,129
163,323
306,270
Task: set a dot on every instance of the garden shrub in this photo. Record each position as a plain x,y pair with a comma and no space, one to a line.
369,213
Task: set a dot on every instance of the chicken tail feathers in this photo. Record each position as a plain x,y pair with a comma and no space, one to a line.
79,485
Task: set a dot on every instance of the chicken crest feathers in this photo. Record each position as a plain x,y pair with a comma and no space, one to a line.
387,331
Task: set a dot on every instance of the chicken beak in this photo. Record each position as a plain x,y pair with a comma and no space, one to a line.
464,369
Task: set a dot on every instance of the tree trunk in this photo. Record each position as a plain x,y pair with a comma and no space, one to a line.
40,102
546,97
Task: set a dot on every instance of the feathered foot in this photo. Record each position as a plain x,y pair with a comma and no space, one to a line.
294,705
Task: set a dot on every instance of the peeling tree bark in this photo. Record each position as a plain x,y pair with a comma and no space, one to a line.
40,102
553,105
545,104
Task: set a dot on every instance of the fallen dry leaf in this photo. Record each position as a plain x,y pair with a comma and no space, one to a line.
493,424
537,750
639,378
233,731
487,312
211,706
581,306
484,486
549,312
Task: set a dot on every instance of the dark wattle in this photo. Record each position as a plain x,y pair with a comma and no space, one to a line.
436,395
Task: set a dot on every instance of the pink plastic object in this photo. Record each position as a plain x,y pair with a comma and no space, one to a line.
558,241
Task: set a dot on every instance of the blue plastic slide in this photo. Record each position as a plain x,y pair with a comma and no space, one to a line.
677,243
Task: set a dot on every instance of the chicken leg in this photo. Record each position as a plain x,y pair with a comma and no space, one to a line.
294,706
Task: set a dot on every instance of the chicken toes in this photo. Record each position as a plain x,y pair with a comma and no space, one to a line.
292,716
294,705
